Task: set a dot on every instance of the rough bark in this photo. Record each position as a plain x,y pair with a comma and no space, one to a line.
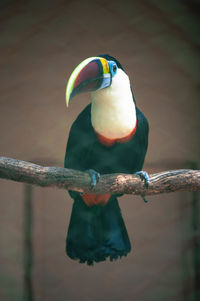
163,182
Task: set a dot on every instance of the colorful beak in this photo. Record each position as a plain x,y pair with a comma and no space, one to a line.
90,75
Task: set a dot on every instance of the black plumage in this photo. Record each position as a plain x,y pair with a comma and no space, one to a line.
98,232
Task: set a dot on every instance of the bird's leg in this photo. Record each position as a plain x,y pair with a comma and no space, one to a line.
144,177
94,175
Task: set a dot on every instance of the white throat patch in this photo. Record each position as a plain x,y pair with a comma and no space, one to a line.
113,110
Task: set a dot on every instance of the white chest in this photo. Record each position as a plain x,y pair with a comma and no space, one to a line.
113,110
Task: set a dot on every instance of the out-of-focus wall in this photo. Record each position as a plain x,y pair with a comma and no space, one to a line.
41,42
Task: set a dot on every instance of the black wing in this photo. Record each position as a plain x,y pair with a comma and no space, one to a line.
81,138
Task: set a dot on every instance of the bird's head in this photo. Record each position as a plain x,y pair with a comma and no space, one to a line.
94,73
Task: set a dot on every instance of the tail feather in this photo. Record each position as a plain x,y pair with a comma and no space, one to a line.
97,232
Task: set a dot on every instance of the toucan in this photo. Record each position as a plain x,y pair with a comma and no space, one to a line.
109,136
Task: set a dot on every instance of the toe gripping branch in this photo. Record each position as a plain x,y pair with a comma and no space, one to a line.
144,177
95,176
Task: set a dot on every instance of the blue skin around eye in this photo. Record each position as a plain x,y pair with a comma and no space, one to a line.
111,65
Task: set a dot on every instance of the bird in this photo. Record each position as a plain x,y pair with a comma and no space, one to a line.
110,135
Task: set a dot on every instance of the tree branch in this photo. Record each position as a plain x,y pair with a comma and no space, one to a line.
168,181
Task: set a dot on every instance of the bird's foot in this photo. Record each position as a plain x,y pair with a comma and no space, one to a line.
144,177
95,176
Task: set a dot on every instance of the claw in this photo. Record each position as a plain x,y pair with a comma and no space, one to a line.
144,199
95,176
144,177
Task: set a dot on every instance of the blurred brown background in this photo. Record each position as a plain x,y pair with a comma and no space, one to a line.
158,44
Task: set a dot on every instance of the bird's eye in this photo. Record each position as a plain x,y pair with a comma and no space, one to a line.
114,68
